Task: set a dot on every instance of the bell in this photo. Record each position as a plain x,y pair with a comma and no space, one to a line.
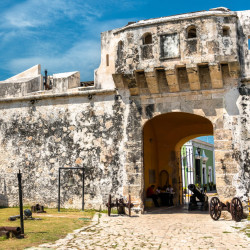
71,181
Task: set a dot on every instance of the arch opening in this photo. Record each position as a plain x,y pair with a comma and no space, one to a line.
120,50
163,138
191,32
225,31
147,38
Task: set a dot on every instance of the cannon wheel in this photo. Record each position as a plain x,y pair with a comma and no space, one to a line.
129,205
109,205
214,208
236,209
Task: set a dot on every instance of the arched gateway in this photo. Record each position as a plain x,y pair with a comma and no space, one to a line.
163,137
149,97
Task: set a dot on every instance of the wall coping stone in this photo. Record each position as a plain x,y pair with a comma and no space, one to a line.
40,95
174,18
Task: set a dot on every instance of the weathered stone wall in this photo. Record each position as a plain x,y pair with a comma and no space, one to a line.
104,135
243,30
171,47
241,148
102,130
40,136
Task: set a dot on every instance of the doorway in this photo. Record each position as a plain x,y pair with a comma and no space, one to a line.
163,137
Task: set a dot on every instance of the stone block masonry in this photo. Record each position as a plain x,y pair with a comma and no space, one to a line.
40,136
204,71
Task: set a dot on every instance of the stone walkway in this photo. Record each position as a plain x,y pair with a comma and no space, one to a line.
164,229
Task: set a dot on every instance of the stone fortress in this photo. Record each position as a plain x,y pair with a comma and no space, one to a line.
161,82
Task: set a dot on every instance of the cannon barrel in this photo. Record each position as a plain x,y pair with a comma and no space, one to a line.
15,230
196,192
12,218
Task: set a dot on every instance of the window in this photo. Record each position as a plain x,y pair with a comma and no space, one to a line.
107,60
147,38
120,51
225,31
210,174
147,50
191,32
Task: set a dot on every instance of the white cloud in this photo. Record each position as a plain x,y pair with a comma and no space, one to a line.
36,31
34,13
83,56
38,13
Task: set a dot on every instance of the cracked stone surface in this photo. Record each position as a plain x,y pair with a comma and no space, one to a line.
161,229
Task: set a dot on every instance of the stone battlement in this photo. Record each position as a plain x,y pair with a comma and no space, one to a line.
188,48
32,83
180,78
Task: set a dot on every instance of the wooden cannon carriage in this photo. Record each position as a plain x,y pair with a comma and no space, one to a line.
120,205
234,207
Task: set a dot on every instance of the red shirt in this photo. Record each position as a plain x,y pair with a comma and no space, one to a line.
150,191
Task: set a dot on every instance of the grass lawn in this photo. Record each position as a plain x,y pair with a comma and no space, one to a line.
53,226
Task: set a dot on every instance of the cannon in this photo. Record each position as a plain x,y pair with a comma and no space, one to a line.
202,203
234,207
120,205
14,231
38,209
27,215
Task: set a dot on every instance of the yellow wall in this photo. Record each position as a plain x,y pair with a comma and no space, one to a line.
150,154
163,137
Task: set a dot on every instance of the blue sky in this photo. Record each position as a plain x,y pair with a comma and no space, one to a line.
209,139
64,35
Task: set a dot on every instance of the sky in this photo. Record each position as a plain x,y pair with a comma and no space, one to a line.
64,35
209,139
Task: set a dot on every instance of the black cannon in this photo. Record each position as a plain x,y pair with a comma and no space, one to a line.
201,204
38,209
27,215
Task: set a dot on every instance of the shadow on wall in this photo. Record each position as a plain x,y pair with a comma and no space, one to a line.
3,194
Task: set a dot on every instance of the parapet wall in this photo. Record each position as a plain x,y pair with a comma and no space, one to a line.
31,82
38,136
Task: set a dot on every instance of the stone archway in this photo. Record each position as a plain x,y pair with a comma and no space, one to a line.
163,137
211,106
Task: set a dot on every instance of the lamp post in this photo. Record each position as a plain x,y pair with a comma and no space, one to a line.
197,165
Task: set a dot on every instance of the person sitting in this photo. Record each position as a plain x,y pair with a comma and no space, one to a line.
171,197
151,194
164,188
158,190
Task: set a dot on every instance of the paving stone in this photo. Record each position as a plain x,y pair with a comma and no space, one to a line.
169,229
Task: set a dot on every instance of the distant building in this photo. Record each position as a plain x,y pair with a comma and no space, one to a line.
198,164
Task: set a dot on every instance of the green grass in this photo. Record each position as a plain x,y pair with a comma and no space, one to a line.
245,230
53,226
105,211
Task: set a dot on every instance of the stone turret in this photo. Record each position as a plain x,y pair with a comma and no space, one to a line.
193,51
